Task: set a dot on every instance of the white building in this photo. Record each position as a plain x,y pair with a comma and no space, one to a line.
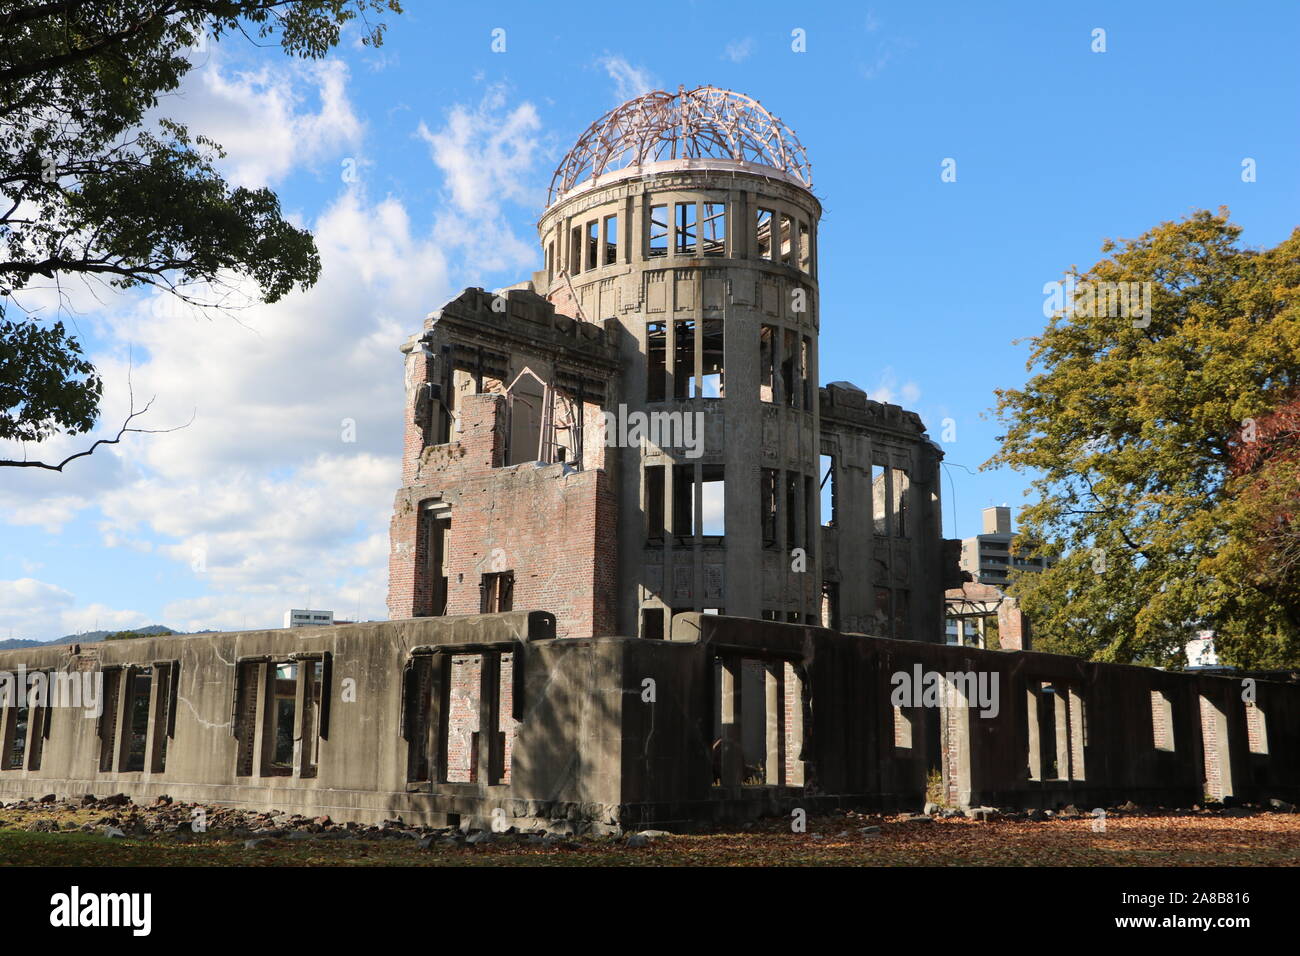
1200,651
298,617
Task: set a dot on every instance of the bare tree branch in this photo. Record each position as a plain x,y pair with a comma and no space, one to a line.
126,429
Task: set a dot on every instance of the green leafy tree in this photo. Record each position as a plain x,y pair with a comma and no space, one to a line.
90,190
1130,422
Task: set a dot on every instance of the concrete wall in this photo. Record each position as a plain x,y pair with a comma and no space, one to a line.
626,731
566,703
904,563
743,432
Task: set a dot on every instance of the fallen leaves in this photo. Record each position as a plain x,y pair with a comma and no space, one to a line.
845,839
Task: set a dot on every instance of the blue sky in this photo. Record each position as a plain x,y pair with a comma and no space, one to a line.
261,503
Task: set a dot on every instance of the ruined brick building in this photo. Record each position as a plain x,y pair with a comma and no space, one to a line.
643,569
680,291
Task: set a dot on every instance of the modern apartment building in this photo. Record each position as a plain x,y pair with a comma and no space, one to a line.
989,557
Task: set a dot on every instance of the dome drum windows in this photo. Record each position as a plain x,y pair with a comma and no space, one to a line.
658,232
697,360
687,231
715,229
782,237
698,228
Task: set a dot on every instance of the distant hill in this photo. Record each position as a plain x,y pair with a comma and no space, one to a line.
86,637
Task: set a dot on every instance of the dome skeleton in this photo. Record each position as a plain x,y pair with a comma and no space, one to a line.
704,123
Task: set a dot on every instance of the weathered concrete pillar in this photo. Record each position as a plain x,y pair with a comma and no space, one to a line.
733,755
1031,721
954,723
437,726
774,672
1061,714
160,701
122,718
489,751
1077,769
264,741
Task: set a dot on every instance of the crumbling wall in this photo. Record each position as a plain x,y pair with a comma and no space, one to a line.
870,556
546,524
541,692
440,719
1094,730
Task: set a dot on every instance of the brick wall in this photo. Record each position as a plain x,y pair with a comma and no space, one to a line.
792,700
902,729
1012,634
1256,729
462,718
554,528
248,676
562,298
1161,732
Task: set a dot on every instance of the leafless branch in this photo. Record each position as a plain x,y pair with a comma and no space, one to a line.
126,429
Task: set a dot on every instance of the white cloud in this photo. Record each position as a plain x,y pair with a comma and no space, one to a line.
889,390
487,156
270,389
262,492
885,52
25,595
360,595
36,497
262,480
38,611
738,51
485,152
50,514
260,498
258,116
629,81
270,121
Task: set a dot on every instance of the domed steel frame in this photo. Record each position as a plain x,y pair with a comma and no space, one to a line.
704,123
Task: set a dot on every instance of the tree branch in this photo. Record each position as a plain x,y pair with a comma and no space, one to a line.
124,430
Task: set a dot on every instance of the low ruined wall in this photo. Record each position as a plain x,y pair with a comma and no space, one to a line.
360,766
1097,737
489,718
